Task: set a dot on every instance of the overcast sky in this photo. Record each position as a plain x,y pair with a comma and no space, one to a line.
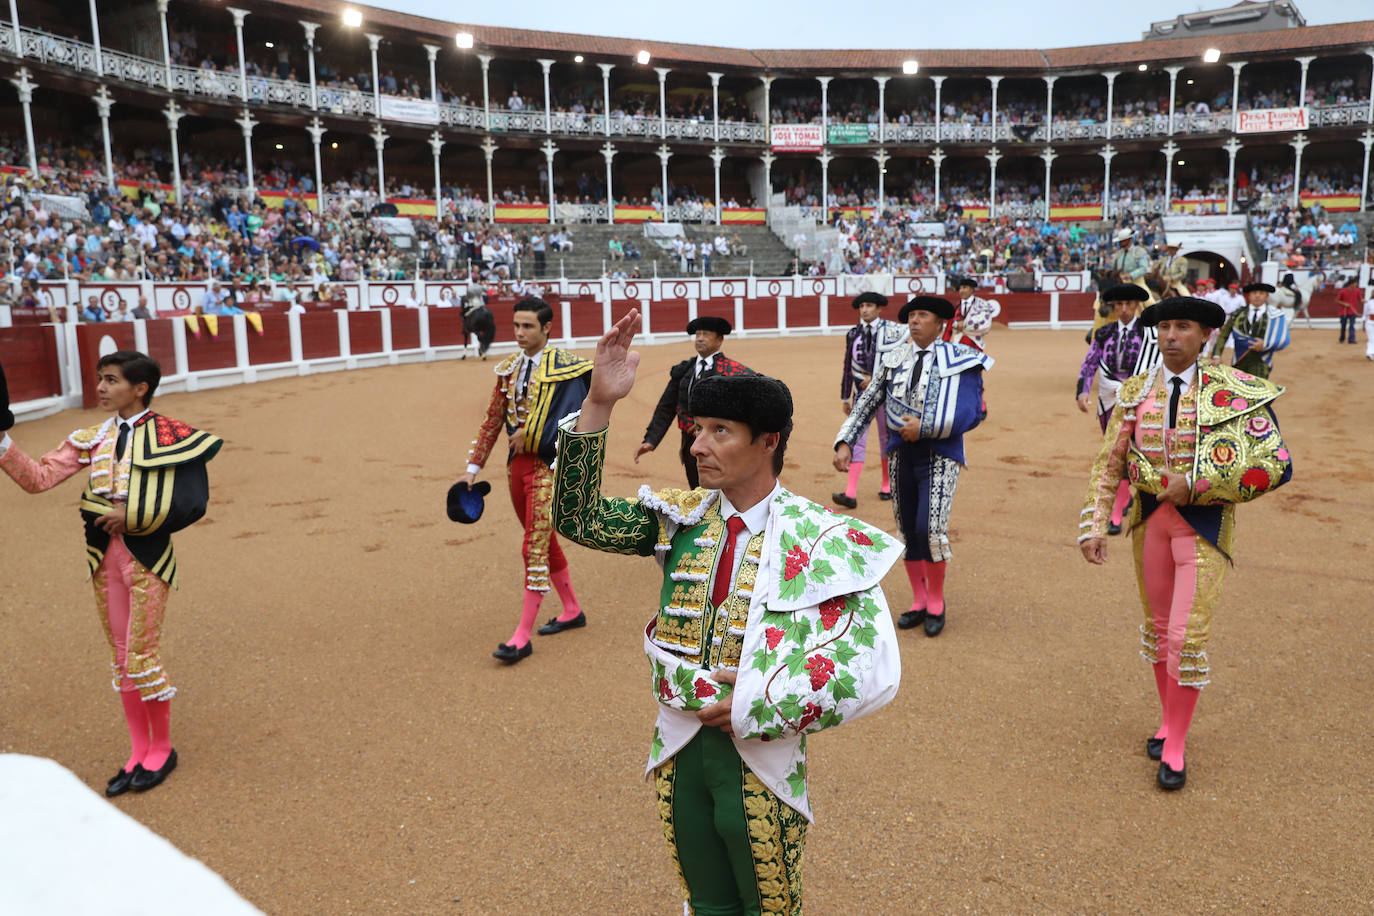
860,24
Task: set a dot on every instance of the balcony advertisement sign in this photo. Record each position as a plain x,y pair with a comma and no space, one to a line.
1269,119
415,111
797,138
849,133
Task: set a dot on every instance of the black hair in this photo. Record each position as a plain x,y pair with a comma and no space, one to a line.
781,451
543,312
136,368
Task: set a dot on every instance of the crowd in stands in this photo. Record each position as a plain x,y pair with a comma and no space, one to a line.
1309,237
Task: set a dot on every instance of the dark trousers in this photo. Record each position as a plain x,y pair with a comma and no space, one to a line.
539,263
1348,321
689,461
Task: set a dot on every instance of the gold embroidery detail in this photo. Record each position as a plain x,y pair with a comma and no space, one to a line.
663,782
777,838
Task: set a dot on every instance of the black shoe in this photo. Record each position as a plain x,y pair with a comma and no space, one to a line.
510,655
145,779
122,780
1170,779
885,497
846,501
935,623
911,619
558,626
1113,528
1154,748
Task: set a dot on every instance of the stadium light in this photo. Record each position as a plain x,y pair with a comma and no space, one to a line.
910,67
352,18
642,57
334,145
1181,162
577,59
1190,82
1143,67
1211,56
278,146
269,44
463,39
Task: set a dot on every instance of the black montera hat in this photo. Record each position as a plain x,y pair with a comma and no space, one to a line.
1126,292
966,281
1191,308
934,304
877,299
465,503
712,323
6,417
758,400
1257,288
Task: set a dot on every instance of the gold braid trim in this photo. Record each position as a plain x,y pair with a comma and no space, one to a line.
664,778
777,838
582,514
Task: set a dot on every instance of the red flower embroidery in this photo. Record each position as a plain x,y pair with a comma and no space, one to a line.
774,636
1255,477
831,611
1222,398
797,560
858,537
664,690
821,668
809,715
704,688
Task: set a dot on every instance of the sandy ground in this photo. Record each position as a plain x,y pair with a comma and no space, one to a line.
348,744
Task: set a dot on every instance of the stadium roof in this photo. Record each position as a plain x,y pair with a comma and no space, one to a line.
527,42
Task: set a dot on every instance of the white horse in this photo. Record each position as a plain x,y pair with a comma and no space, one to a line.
1297,299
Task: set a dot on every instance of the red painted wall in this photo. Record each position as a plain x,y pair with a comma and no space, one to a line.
29,355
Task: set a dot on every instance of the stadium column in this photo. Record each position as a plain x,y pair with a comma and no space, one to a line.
372,42
606,101
436,143
173,114
1299,143
993,157
1108,153
1366,138
994,80
717,157
1173,94
485,60
18,39
1049,156
166,43
937,156
825,158
1236,67
1169,150
549,149
25,87
664,154
767,158
103,101
246,124
379,138
316,131
95,41
1049,112
546,63
1232,146
881,156
1303,62
825,107
663,105
939,83
238,15
767,117
608,152
882,109
1111,76
489,150
432,51
1369,115
310,29
715,105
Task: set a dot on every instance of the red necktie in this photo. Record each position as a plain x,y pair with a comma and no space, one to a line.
720,588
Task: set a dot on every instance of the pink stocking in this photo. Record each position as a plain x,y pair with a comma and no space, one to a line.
528,613
160,722
887,484
935,585
916,572
562,583
1123,498
1162,685
852,488
1179,716
137,718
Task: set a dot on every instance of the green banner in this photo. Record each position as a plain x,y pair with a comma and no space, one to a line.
849,133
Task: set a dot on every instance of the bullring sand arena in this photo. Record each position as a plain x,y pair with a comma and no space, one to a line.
349,745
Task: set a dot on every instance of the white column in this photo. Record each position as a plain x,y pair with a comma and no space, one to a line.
1367,139
1232,146
173,114
939,83
18,49
166,42
1111,76
25,87
664,154
994,80
882,158
246,124
825,158
1169,149
379,138
238,15
432,51
717,157
310,29
825,107
1299,143
882,108
436,143
1369,115
1302,82
103,101
547,63
768,159
937,156
1236,67
1108,152
549,149
485,60
489,150
608,153
715,104
372,42
1049,107
95,40
606,99
993,156
663,105
316,131
768,107
1173,94
1049,156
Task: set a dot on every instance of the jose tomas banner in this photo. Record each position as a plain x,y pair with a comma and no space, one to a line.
797,138
1269,119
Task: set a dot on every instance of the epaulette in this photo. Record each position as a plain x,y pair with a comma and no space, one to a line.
686,507
88,438
507,366
1132,391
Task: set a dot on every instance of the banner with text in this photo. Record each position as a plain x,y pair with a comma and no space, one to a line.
797,138
849,133
1269,119
414,110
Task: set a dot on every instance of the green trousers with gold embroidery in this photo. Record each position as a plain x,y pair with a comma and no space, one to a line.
737,846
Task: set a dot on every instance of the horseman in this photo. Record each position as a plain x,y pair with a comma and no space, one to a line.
1169,273
1130,262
